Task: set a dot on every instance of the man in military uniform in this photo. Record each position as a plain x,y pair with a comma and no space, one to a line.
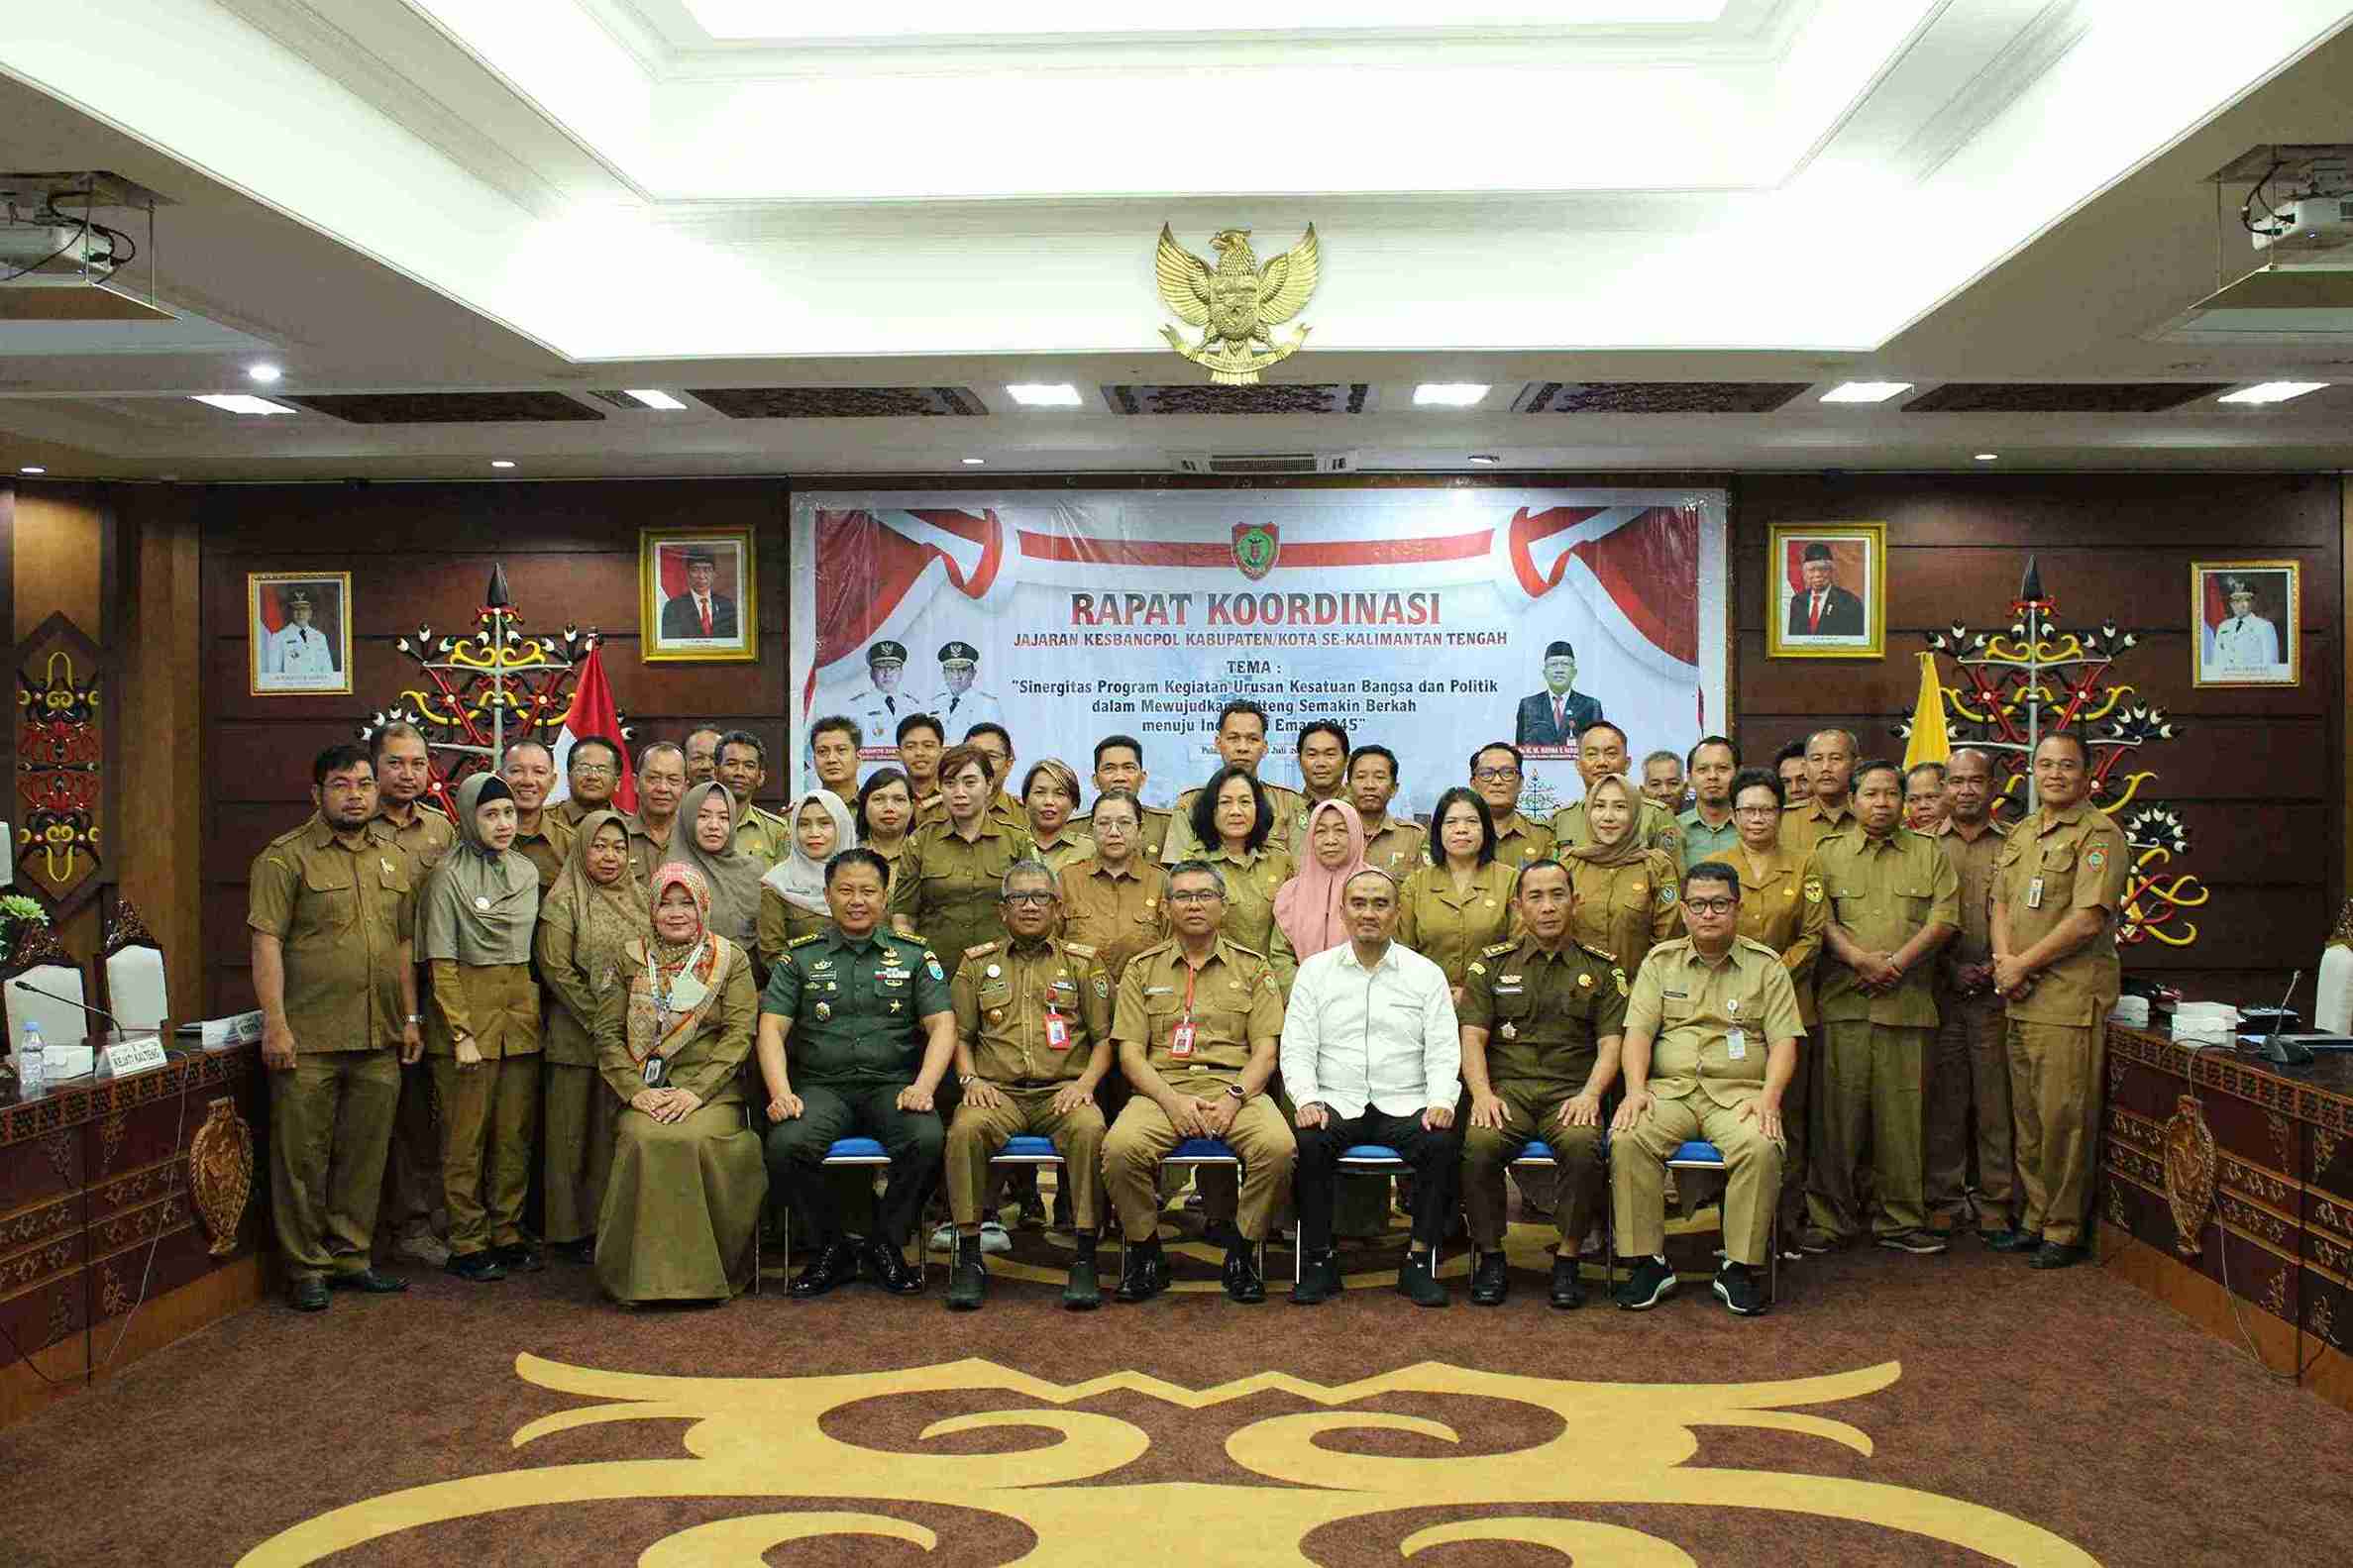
1969,1061
591,773
958,705
879,708
1711,1039
703,753
1708,830
1198,1023
1893,901
1498,773
331,910
1033,1039
661,784
1119,767
540,835
1540,1019
1323,776
2058,884
1601,754
872,1032
952,871
743,768
412,1177
1826,808
833,754
1241,742
1392,847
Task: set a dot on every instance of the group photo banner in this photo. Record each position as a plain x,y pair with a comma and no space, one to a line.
1428,620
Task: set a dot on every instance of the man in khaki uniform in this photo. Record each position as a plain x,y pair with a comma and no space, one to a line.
1241,742
1322,775
541,836
1711,1039
1033,1039
1830,772
331,906
1970,1063
1541,1024
920,742
1601,754
743,768
660,786
1498,773
1893,901
1389,846
1119,769
952,873
412,1175
2059,884
591,773
1198,1024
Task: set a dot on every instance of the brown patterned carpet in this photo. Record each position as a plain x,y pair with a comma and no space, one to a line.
1893,1410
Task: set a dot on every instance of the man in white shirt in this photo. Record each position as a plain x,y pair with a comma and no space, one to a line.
1371,1054
2245,641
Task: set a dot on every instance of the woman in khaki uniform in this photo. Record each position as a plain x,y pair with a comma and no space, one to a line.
1462,899
687,1177
885,811
594,909
1626,894
1781,906
1234,813
1116,900
474,928
793,893
1050,794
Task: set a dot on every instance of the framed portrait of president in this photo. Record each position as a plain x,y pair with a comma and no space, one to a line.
1826,591
697,599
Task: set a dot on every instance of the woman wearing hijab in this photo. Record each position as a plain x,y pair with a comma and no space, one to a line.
688,1178
702,835
1625,893
1307,908
793,893
595,911
1460,900
474,928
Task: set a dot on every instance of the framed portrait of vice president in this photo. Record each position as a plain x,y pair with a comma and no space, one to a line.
1826,591
697,599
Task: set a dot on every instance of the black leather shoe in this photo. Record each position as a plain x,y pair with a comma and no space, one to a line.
1145,1274
2016,1240
580,1251
1223,1234
1241,1277
1318,1279
1490,1279
521,1257
1417,1284
834,1265
366,1281
1568,1285
1082,1294
479,1267
2055,1255
307,1296
968,1280
888,1264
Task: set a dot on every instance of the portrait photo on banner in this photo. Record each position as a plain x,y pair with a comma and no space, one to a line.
1430,621
300,624
695,594
1826,591
2246,623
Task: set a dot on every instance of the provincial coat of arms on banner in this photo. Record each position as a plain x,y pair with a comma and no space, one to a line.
1256,546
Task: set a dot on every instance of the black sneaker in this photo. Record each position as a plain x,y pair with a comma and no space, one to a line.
519,1257
1568,1285
2015,1241
1651,1282
1418,1282
479,1267
1736,1287
2056,1255
1490,1279
1920,1243
1318,1279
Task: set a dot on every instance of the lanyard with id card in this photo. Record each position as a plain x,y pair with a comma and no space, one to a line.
1057,1029
1736,1041
1180,1039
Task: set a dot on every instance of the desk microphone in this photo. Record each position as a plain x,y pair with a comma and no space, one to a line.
2279,1052
95,1013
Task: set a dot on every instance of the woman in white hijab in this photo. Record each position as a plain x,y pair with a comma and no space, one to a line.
793,893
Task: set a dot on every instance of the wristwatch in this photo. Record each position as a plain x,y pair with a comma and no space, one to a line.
1238,1093
416,1018
966,1080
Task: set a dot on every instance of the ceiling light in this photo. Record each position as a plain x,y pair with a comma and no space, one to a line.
1866,391
1988,457
655,399
974,463
243,403
264,373
1484,459
1448,394
2271,393
1039,394
31,467
502,462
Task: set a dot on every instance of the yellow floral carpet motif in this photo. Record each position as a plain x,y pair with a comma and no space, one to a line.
766,1438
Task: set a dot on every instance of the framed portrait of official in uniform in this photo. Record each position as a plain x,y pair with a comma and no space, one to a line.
696,596
1826,591
2246,623
300,627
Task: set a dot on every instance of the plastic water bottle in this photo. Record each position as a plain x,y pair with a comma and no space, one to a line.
32,1079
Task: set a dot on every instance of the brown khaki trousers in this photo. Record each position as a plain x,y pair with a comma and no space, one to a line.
975,1136
1530,1109
2054,1072
489,1117
1143,1136
330,1120
1870,1098
1638,1176
1968,1080
579,1115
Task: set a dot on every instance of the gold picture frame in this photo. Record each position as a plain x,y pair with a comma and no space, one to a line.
298,634
670,613
2263,645
1854,602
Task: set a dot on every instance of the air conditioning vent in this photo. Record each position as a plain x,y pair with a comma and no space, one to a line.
1253,465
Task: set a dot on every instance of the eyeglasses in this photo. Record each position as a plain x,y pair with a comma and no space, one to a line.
1756,811
1496,775
1204,895
591,770
1712,905
1040,897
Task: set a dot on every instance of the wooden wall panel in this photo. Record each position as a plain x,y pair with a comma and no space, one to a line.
2258,775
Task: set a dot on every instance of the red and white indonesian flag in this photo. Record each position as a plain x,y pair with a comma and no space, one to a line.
593,713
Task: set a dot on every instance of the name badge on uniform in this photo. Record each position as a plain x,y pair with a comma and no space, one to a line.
1180,1039
2034,894
1057,1031
1735,1044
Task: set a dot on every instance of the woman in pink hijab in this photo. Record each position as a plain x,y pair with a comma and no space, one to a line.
1306,912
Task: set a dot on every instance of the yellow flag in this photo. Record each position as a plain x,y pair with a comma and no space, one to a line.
1929,742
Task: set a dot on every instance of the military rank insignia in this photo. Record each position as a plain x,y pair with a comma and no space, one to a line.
1619,976
1584,983
1667,895
1813,889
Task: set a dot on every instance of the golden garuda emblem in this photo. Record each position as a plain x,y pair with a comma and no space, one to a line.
1236,302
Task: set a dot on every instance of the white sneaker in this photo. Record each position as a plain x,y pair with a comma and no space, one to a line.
994,1237
944,1238
422,1246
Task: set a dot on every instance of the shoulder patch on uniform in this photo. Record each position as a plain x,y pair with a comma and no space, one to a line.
1074,948
2096,857
1603,954
982,950
1813,889
1246,952
1619,976
1497,949
1667,895
803,941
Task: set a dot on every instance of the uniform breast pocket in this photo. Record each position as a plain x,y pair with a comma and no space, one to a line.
1676,1010
1917,900
392,877
327,895
2058,875
995,994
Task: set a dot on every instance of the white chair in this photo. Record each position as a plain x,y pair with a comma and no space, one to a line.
38,960
135,993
